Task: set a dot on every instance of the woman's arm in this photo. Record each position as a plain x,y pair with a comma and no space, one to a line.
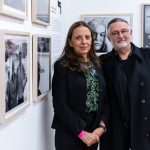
63,111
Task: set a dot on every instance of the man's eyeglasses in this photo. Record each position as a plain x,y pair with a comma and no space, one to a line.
116,34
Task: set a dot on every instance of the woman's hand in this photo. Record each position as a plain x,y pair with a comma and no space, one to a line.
98,132
89,138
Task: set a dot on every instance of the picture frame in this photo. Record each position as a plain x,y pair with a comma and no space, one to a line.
98,23
146,25
41,12
15,73
14,8
41,66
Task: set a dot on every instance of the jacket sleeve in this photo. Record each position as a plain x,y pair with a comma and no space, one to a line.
68,117
106,111
105,108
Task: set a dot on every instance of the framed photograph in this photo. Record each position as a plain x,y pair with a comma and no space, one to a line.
41,66
98,23
146,25
14,73
14,8
41,12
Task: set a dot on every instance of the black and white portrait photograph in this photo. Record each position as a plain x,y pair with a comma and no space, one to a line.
98,24
43,44
146,25
14,72
41,11
41,66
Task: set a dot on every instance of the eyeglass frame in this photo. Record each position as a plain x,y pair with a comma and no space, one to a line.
115,34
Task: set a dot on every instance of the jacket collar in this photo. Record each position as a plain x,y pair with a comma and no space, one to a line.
135,51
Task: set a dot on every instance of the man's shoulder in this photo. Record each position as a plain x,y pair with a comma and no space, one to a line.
146,53
106,56
146,50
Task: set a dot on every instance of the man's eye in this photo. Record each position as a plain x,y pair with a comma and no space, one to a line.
124,31
114,33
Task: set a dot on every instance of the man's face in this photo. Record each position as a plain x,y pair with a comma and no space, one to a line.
99,36
120,35
42,45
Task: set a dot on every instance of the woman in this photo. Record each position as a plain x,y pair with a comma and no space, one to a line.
78,90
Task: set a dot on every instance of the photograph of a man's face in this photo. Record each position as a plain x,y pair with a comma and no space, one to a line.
99,33
98,24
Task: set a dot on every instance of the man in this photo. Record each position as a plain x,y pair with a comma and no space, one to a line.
21,80
127,72
11,90
14,86
99,33
8,93
41,45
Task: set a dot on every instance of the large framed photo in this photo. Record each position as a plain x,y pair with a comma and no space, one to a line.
14,73
41,66
98,23
146,25
41,12
14,8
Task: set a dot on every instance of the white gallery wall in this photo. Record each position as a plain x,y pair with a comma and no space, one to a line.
31,130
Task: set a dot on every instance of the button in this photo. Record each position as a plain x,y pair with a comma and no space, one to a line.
147,134
143,101
126,124
101,90
145,118
142,83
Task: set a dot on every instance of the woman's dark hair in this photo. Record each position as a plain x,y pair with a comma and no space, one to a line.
69,58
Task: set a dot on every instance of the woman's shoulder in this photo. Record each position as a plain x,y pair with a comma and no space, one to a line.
58,65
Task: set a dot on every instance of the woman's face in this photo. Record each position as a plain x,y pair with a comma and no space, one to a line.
81,41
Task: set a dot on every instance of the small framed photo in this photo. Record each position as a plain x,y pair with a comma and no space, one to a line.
14,73
98,23
146,25
41,12
41,66
14,8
